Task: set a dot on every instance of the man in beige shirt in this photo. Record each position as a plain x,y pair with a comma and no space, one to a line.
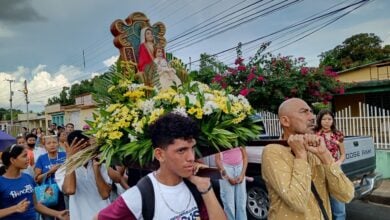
289,171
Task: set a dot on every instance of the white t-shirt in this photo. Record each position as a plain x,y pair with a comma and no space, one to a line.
86,202
179,198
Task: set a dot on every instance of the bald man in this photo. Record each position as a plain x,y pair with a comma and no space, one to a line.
298,173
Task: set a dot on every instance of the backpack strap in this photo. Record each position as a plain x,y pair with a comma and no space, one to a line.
145,187
198,199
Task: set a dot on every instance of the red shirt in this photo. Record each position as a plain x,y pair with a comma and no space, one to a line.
331,143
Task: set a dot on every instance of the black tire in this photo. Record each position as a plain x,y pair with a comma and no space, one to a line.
257,204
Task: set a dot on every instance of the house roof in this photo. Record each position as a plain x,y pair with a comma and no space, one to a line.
368,87
379,63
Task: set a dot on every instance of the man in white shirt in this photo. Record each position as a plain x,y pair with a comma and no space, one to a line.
88,186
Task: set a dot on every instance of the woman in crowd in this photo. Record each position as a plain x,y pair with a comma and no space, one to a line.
46,166
62,140
334,138
17,197
232,164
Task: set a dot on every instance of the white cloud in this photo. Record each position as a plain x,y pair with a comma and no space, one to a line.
72,73
42,85
110,61
5,32
95,74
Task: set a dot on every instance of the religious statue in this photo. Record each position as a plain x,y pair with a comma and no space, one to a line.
167,75
146,48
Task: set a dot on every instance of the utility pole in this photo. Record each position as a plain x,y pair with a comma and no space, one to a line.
11,93
25,91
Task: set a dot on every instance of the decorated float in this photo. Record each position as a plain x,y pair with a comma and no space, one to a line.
145,85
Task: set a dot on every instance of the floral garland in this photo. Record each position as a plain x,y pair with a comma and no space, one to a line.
120,125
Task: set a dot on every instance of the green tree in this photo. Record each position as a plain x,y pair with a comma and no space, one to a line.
356,50
209,65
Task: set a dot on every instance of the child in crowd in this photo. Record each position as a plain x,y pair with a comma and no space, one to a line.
17,197
21,140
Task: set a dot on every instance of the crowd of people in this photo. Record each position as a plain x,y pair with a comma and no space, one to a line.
304,179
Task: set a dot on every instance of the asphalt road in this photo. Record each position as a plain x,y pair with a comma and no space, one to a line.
363,210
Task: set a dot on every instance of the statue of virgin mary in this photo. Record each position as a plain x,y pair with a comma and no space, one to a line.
146,48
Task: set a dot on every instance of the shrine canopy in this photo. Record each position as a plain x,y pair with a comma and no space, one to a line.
6,140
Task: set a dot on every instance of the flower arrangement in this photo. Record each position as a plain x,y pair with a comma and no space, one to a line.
127,107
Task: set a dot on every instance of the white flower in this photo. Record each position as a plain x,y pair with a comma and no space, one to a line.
208,97
147,106
233,98
243,100
134,86
132,137
191,98
208,107
181,111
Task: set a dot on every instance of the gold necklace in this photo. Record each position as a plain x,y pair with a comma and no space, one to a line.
166,202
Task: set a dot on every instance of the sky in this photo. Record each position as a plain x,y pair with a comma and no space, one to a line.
42,41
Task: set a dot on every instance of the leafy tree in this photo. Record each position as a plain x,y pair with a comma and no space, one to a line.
209,65
267,80
355,51
5,114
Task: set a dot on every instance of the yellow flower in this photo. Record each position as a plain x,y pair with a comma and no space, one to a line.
110,89
115,135
239,119
113,107
156,113
198,112
134,94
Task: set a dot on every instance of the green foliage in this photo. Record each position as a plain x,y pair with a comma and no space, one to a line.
267,80
5,114
209,65
356,50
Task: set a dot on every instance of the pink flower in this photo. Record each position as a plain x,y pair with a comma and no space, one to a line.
341,91
241,68
218,78
260,78
250,77
238,61
304,70
246,91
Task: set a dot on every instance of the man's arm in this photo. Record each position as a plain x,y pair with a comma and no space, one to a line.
104,188
290,181
69,182
214,209
338,184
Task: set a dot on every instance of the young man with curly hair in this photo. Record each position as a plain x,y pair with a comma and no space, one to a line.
173,138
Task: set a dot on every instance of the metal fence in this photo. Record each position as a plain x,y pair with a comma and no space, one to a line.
371,121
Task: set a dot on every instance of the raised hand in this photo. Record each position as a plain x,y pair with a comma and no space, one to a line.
22,206
297,144
75,146
316,145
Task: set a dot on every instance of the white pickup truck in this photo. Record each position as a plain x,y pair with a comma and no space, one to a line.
359,166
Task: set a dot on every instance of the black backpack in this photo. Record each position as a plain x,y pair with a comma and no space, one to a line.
145,186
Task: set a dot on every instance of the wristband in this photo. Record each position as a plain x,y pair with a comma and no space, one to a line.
207,190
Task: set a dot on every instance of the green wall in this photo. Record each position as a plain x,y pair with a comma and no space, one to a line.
383,162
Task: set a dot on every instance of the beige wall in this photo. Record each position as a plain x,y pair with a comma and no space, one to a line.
366,74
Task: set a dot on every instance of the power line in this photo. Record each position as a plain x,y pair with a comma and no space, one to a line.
289,27
235,24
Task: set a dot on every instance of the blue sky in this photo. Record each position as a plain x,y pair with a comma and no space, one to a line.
42,40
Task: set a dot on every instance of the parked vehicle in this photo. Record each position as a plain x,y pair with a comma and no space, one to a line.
359,166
